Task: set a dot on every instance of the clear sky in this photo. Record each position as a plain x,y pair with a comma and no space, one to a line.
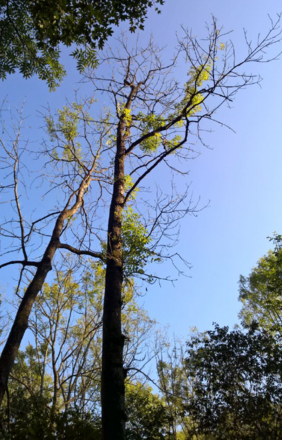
240,175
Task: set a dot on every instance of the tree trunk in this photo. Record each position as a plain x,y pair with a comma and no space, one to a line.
20,324
113,405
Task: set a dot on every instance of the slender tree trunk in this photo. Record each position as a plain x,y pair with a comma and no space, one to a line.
113,406
20,324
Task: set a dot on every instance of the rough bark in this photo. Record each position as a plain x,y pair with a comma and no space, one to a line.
20,324
113,406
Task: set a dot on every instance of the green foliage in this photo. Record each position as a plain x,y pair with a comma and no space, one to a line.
30,419
237,384
21,49
193,97
31,33
67,122
261,291
124,113
147,414
85,58
66,130
135,242
176,391
67,323
148,124
27,373
188,106
128,183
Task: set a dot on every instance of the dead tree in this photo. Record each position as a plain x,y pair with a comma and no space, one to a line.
156,123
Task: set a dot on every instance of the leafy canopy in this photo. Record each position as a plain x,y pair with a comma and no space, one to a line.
261,291
237,383
32,31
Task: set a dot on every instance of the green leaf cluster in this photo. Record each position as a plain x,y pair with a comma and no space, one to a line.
190,103
147,414
66,126
32,31
149,123
135,242
261,292
193,97
85,58
20,49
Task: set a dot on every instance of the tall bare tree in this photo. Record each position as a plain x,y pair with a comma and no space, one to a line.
156,123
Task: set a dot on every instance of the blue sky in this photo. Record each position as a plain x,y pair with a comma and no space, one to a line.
239,176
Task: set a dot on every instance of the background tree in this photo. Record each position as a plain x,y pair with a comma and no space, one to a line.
32,32
175,387
147,413
23,231
261,291
237,383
